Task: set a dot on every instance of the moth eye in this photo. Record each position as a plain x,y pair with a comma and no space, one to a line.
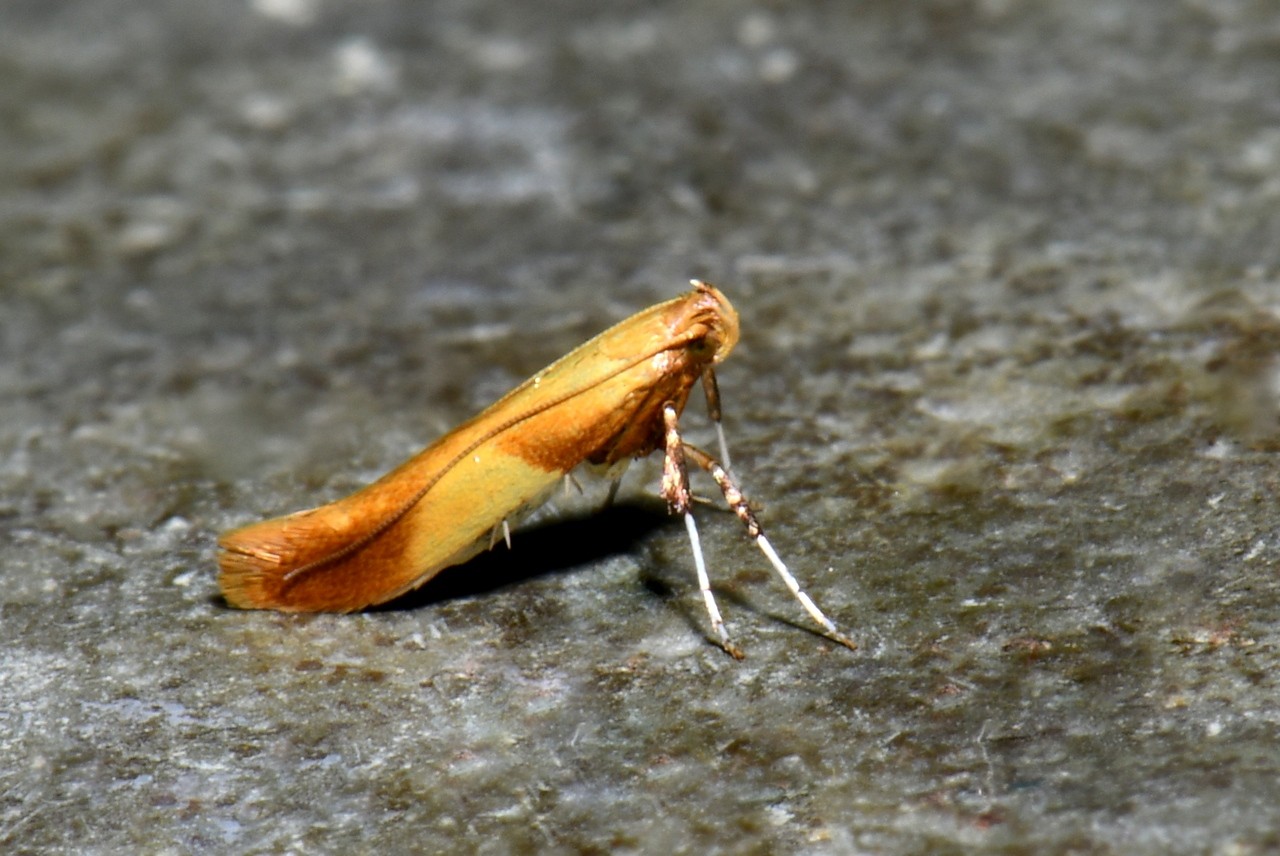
701,347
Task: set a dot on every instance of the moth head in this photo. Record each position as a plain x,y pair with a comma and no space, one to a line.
717,318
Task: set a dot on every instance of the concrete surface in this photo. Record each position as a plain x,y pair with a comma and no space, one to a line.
1007,396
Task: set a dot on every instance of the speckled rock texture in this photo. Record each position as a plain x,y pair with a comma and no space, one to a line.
1007,398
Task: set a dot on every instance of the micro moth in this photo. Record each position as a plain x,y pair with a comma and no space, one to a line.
613,399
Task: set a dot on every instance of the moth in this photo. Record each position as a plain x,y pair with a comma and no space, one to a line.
616,398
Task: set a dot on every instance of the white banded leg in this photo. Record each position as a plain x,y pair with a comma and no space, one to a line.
704,586
675,490
733,496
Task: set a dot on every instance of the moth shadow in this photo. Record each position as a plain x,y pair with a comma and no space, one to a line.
553,547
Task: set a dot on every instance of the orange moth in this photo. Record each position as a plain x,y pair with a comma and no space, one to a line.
616,398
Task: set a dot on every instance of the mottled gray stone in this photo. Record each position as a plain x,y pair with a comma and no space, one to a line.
1007,395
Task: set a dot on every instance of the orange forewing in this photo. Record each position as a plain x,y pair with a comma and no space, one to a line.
600,404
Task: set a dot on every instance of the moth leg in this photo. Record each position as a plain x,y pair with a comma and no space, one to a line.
675,490
613,492
614,473
503,527
712,391
733,496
